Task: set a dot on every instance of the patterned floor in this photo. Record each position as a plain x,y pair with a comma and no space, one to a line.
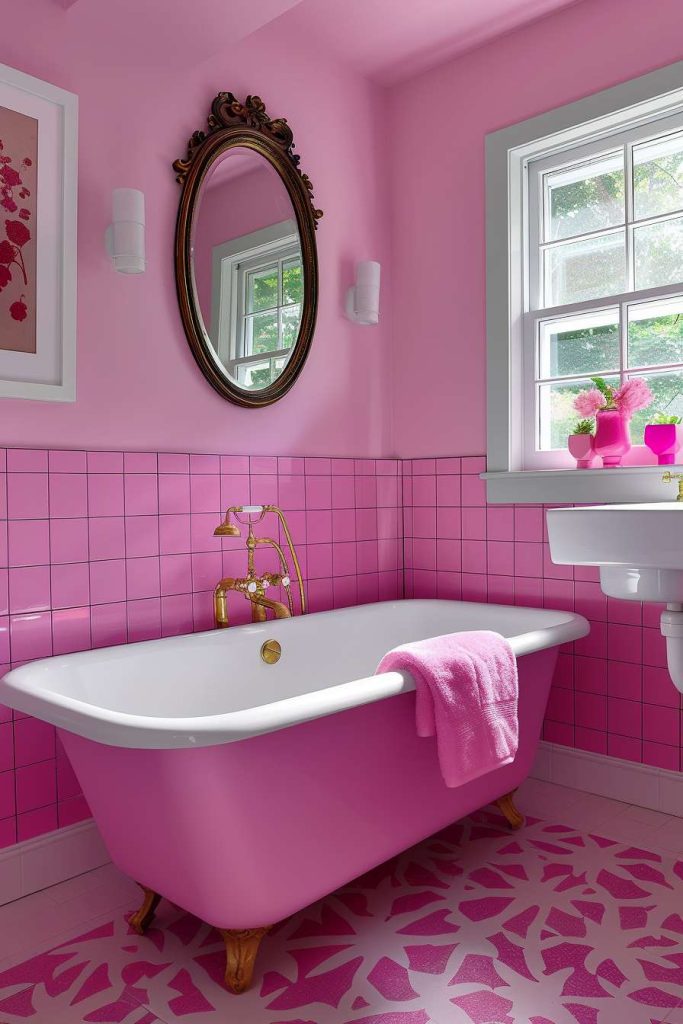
475,925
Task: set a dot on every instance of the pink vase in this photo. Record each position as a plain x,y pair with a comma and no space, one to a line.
581,448
612,437
665,440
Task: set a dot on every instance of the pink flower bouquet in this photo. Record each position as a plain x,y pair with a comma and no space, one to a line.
612,408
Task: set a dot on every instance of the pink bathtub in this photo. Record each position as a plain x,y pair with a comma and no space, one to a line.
244,791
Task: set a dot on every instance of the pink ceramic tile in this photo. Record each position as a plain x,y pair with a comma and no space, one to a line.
474,464
366,492
448,555
591,674
26,460
174,493
500,522
176,575
448,491
661,756
590,601
265,464
448,522
108,581
6,747
389,554
105,494
367,556
68,495
174,534
424,490
70,812
69,540
501,589
234,464
318,561
67,462
67,783
368,588
27,496
553,571
473,490
662,725
407,491
345,590
207,570
629,748
36,823
142,578
366,523
343,492
528,592
106,537
31,636
141,495
594,645
624,679
203,612
474,587
144,620
320,596
70,585
388,522
564,671
28,542
264,490
424,554
449,465
105,462
624,717
3,495
501,557
343,525
560,705
558,594
387,491
295,466
424,467
140,462
7,797
36,785
33,741
176,614
142,536
590,710
71,630
171,463
654,648
473,523
591,740
108,624
205,493
318,492
29,589
390,586
364,467
205,464
292,492
625,612
474,556
624,642
343,559
587,573
319,526
448,585
657,688
424,522
202,537
529,523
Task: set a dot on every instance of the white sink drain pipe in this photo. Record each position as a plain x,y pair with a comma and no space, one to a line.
672,629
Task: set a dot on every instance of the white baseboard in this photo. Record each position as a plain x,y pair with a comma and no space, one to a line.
632,783
49,859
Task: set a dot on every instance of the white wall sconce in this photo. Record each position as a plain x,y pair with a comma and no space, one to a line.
125,237
362,298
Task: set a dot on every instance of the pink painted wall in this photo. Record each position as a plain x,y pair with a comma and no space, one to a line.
138,386
231,209
438,122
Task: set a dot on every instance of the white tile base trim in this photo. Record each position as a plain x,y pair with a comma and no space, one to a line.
46,860
641,784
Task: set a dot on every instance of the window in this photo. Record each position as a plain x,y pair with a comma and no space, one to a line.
257,295
584,279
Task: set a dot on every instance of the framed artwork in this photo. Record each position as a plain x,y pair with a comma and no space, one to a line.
38,181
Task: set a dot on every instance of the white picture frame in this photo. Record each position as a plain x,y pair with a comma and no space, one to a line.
49,373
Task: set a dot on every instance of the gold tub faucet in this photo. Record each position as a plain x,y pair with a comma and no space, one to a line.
669,477
254,586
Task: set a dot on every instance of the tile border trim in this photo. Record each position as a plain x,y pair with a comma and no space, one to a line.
35,864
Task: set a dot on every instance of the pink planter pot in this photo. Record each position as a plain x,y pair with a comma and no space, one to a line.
664,440
581,448
612,438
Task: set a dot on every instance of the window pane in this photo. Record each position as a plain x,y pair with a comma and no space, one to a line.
659,253
655,333
292,281
291,317
585,270
262,289
579,344
585,197
556,413
261,333
667,389
658,176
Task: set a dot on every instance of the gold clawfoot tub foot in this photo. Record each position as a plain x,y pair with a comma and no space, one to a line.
241,948
506,805
142,918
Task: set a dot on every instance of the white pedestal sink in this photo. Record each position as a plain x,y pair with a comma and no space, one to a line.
639,551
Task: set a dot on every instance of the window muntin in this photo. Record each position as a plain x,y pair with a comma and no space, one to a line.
604,278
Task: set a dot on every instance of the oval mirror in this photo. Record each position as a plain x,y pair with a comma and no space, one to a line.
246,264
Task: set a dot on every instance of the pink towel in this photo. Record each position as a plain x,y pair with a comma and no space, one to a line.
466,687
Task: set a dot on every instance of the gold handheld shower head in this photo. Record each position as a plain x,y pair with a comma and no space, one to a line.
226,528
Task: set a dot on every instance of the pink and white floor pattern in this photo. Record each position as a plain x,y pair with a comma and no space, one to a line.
474,926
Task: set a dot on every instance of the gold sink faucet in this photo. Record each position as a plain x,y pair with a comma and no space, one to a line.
254,586
669,477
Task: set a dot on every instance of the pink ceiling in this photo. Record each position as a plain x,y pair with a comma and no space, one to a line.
388,40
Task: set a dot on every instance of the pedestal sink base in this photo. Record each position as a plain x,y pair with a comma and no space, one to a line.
629,583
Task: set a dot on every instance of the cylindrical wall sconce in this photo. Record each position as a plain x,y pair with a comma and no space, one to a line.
125,238
362,299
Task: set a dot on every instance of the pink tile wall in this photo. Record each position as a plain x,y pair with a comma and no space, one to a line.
100,548
611,693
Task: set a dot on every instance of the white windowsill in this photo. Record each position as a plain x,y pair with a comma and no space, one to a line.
576,486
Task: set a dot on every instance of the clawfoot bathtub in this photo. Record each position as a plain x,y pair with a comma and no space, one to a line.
243,791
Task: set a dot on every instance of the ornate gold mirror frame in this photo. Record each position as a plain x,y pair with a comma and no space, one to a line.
247,125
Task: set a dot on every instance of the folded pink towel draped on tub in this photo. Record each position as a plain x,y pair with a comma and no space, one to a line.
466,686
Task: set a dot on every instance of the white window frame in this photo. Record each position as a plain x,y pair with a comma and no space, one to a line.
631,107
230,263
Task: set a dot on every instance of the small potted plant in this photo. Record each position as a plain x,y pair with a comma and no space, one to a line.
613,408
581,444
664,437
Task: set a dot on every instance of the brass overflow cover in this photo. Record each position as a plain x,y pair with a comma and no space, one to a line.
271,652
